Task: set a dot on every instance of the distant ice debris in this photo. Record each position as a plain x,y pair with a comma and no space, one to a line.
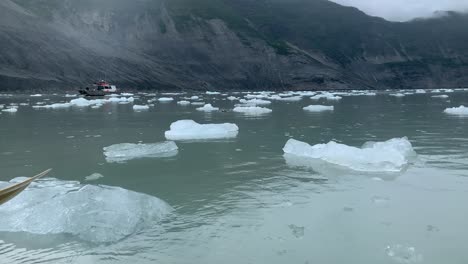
212,93
461,110
397,95
94,213
207,108
420,91
388,156
191,130
93,177
403,254
166,99
183,102
440,96
287,99
198,103
36,95
126,94
128,151
327,96
255,102
232,98
71,95
140,107
194,97
53,106
318,108
117,100
10,110
252,110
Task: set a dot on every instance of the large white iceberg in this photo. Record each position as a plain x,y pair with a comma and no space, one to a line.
95,213
191,130
252,110
318,108
461,110
388,156
128,151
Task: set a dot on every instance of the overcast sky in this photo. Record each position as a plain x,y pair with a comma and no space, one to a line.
401,10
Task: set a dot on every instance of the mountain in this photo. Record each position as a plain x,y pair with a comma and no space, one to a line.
224,44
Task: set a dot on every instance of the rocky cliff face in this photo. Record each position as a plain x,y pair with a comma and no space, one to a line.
224,44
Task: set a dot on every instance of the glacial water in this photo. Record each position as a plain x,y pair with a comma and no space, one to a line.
237,198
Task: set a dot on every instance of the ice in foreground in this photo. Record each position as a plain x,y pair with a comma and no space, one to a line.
388,156
191,130
95,213
252,110
461,110
128,151
318,108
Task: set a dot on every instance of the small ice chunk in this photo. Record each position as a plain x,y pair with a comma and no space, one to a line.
403,254
81,102
128,151
140,107
388,156
183,102
93,177
297,231
461,110
212,93
326,95
166,99
94,213
126,94
53,106
232,98
255,102
71,95
120,99
288,99
252,110
10,110
198,103
194,97
318,108
420,91
36,95
440,96
208,108
397,95
191,130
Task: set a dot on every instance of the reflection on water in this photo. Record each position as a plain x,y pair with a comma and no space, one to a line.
241,200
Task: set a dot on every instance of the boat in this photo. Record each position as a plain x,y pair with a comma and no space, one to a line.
100,88
10,192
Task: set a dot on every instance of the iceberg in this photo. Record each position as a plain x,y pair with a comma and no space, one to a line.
166,99
255,102
10,110
388,156
140,107
420,91
194,97
397,95
191,130
93,177
318,108
128,151
94,213
53,106
440,96
461,110
208,108
120,99
252,110
212,93
287,99
198,103
183,102
326,95
126,94
232,98
36,95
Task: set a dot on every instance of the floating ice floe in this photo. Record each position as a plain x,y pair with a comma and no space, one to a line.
420,91
194,97
440,96
318,108
53,106
191,130
94,213
325,95
232,98
403,254
10,110
255,102
285,99
140,107
126,94
93,177
212,93
388,156
128,151
36,95
120,99
252,110
71,95
166,99
183,102
461,110
208,108
81,102
198,103
397,95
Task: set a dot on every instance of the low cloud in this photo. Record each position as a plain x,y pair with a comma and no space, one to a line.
403,10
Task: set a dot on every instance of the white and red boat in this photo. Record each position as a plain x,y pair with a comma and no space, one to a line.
100,88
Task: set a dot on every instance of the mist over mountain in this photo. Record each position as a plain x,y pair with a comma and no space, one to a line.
225,44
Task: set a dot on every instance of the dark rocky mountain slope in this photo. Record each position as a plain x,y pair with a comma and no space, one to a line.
224,44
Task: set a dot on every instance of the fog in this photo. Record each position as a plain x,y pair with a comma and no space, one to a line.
403,10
